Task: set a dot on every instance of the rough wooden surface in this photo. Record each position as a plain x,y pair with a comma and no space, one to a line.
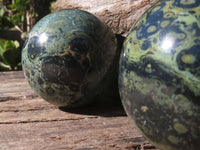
119,15
27,122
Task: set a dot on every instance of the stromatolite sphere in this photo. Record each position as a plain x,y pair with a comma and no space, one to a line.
160,74
67,55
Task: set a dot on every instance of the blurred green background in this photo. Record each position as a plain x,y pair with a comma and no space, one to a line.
17,17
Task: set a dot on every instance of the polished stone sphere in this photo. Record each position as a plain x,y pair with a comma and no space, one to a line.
159,76
67,56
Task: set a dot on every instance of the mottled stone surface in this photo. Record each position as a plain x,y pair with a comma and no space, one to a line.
67,56
160,74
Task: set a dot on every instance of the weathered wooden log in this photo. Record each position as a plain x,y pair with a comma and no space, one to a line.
119,15
27,122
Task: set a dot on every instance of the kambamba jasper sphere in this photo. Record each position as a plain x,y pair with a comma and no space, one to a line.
67,56
160,74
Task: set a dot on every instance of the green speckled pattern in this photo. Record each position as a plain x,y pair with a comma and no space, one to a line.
159,77
67,55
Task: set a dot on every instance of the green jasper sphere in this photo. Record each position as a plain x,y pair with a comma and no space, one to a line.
159,75
67,55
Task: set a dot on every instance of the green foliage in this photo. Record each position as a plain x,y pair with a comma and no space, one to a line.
9,55
51,8
4,21
2,11
19,5
11,15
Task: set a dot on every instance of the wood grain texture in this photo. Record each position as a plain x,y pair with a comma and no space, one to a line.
27,122
119,15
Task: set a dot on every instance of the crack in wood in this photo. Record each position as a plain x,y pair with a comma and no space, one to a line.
41,121
33,109
8,98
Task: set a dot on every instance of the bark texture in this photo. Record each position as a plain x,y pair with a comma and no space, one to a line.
119,15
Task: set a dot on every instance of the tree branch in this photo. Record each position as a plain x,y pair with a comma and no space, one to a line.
11,35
